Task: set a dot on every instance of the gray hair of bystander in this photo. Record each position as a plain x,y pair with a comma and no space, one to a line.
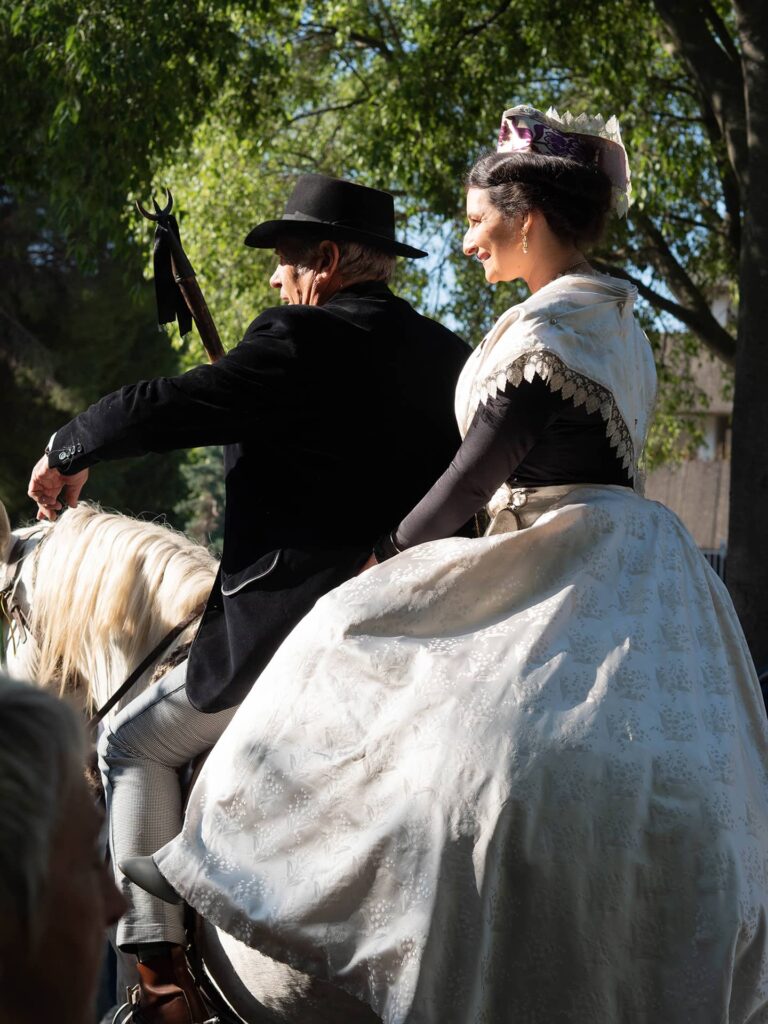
42,753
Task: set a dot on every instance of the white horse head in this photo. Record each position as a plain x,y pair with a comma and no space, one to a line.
20,653
94,593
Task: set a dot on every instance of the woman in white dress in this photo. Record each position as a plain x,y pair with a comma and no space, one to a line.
521,777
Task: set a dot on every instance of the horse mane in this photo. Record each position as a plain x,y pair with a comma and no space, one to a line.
107,588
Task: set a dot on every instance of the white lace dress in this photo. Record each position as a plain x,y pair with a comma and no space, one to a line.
515,779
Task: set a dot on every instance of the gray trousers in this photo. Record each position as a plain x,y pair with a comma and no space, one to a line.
139,756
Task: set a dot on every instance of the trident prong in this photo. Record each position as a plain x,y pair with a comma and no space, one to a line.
158,214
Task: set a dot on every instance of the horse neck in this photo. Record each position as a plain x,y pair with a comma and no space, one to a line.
107,589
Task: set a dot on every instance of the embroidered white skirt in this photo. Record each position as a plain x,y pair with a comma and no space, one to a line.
522,778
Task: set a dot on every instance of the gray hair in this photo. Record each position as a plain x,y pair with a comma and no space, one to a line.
357,262
42,754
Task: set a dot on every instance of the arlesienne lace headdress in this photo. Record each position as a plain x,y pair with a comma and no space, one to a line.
590,140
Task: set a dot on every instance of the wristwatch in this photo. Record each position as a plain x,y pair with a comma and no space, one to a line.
385,547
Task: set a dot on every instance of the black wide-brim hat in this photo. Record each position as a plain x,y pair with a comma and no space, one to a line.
322,207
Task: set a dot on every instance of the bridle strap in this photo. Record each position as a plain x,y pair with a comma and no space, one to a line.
141,668
11,612
16,558
16,550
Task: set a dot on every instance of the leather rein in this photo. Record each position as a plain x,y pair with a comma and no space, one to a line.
10,609
142,667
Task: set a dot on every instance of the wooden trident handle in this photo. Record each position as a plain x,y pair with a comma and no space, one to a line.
185,277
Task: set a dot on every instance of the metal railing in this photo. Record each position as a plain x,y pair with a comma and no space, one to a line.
717,558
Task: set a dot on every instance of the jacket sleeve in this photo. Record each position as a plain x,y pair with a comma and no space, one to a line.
503,431
211,404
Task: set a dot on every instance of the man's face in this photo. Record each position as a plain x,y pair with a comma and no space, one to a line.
59,981
296,286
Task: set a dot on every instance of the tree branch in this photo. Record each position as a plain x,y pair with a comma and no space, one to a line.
692,222
349,65
476,30
729,184
28,356
386,14
372,42
327,110
717,75
664,115
715,337
721,31
667,264
680,87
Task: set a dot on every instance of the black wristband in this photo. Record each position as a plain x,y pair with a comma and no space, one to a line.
385,547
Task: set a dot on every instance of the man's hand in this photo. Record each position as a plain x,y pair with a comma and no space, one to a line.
52,490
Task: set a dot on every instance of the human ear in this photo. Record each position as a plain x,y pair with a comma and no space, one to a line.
328,260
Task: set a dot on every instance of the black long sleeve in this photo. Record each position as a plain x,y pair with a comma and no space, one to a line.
528,436
216,403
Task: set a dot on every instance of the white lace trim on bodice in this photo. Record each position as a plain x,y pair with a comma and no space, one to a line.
571,384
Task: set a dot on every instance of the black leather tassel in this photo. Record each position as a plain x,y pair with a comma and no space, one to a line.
170,302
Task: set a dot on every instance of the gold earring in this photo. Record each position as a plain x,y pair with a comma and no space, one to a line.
525,242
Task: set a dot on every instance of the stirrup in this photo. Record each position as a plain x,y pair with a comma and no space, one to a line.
124,1013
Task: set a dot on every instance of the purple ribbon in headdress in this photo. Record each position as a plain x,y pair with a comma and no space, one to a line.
525,128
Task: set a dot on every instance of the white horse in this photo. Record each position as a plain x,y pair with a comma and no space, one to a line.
91,595
84,601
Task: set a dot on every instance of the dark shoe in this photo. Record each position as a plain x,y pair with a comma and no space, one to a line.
143,871
166,993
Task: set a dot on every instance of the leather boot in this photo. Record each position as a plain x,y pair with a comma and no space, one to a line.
166,993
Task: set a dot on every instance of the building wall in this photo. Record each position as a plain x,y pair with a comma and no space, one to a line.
697,492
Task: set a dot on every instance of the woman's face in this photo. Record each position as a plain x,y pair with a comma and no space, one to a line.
492,239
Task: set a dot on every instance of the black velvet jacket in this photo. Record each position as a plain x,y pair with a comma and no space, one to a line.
337,419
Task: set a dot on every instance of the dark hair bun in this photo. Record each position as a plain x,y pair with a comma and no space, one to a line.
575,198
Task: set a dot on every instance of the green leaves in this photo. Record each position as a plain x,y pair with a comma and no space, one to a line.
225,102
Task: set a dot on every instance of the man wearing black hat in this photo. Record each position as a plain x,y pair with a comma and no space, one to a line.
336,410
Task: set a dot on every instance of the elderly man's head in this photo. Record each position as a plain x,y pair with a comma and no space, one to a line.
333,234
56,895
309,272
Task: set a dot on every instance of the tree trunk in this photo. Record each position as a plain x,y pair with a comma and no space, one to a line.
748,530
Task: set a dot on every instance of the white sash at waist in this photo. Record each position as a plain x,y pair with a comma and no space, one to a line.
516,508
